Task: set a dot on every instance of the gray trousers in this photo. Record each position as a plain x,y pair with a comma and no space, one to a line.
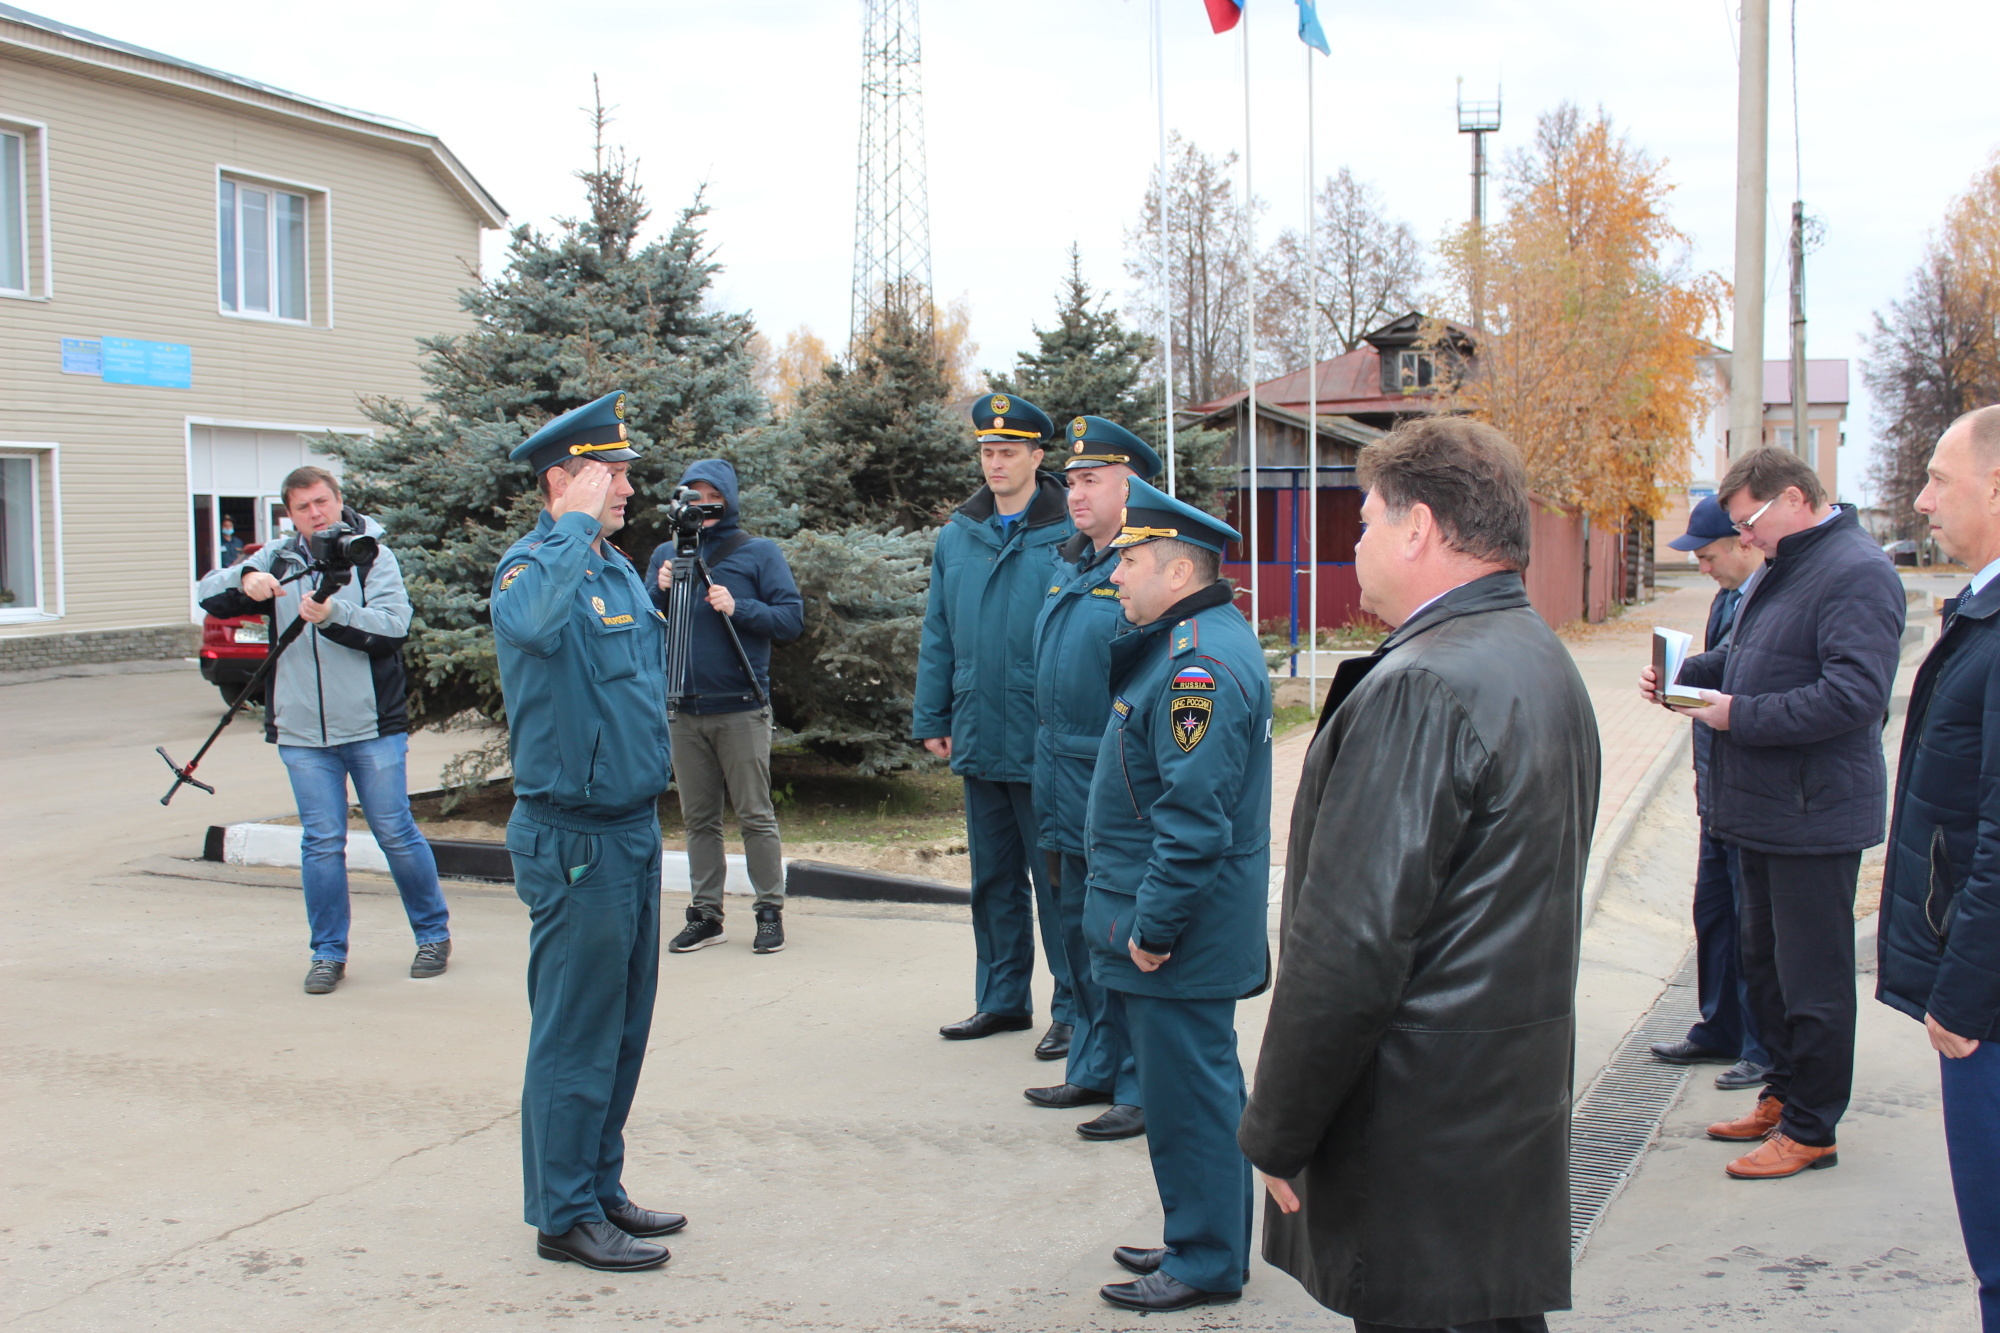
718,754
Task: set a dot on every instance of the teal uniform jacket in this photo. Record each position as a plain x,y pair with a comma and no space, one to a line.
1080,617
976,668
1179,823
587,719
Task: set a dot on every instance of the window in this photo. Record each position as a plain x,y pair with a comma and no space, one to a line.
13,213
20,539
261,244
1415,371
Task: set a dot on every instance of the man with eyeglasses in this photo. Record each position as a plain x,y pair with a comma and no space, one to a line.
1797,698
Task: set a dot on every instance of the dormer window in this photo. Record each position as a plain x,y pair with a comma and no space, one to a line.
1416,371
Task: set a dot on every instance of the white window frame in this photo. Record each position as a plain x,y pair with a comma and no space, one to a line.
318,244
43,524
34,135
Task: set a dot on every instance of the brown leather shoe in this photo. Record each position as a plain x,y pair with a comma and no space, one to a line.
1780,1156
1763,1118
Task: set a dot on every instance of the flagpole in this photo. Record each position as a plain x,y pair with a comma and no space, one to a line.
1312,402
1250,332
1166,283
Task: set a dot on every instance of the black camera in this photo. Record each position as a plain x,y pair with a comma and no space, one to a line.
687,511
340,547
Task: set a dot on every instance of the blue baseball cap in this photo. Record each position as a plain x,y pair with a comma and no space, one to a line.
1707,522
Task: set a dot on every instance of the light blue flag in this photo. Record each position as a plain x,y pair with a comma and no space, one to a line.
1309,30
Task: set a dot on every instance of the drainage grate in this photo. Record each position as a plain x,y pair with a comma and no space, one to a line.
1616,1119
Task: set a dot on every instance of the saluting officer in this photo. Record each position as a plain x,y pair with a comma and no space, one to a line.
1073,635
582,667
975,678
1178,840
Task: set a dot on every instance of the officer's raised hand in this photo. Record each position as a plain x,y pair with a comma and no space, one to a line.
585,492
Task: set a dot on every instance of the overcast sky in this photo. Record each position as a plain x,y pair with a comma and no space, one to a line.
1041,122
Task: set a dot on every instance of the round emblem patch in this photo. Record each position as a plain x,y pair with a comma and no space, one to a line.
597,605
1000,405
618,408
1078,427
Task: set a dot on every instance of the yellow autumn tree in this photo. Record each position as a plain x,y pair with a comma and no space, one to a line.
1589,353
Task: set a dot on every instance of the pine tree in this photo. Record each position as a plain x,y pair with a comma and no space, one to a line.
572,317
1090,364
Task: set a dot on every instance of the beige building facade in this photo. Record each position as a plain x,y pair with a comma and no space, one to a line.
197,273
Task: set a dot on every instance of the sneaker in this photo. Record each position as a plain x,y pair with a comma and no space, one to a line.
770,930
324,975
430,959
701,932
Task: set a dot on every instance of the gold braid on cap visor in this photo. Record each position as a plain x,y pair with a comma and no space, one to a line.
990,433
576,449
1101,458
1133,536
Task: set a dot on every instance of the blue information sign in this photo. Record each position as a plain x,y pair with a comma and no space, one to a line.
161,365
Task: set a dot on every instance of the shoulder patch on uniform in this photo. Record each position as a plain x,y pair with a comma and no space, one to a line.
1193,678
1186,638
1121,707
511,575
1191,714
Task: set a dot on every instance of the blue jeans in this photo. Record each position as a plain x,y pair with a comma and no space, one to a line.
319,785
1972,1141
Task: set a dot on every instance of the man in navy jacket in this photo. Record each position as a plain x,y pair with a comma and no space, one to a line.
722,733
1939,939
1798,698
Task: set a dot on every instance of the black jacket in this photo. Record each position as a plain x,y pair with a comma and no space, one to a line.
768,605
1938,941
1809,665
1415,1078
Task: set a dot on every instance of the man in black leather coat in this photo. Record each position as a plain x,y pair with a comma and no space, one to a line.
1411,1111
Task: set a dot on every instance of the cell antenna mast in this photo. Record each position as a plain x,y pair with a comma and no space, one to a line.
1478,119
892,220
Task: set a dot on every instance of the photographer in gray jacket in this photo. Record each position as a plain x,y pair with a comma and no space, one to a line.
336,711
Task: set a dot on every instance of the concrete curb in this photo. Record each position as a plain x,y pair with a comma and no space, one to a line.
1597,871
278,845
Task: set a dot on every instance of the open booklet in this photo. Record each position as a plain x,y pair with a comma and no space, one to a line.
1670,650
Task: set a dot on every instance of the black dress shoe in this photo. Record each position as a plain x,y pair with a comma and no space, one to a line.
1065,1095
633,1220
1157,1291
1135,1260
1054,1044
1742,1074
985,1025
602,1246
1685,1052
1120,1122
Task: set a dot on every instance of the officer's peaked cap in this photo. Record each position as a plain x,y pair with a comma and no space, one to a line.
1000,418
1095,442
1152,515
595,430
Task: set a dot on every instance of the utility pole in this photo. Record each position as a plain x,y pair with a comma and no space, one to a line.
1801,439
1753,115
1478,119
892,220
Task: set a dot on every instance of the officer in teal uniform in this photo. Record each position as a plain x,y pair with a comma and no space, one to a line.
1073,635
582,668
975,706
1178,840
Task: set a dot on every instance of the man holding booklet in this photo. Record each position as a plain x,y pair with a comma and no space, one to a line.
1796,783
1727,1032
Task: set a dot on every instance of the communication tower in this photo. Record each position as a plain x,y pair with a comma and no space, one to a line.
892,223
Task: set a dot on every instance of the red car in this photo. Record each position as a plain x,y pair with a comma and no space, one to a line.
232,649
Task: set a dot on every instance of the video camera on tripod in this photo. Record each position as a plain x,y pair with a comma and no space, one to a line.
332,553
687,514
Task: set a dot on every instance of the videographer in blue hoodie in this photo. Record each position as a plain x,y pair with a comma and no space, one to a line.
722,734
